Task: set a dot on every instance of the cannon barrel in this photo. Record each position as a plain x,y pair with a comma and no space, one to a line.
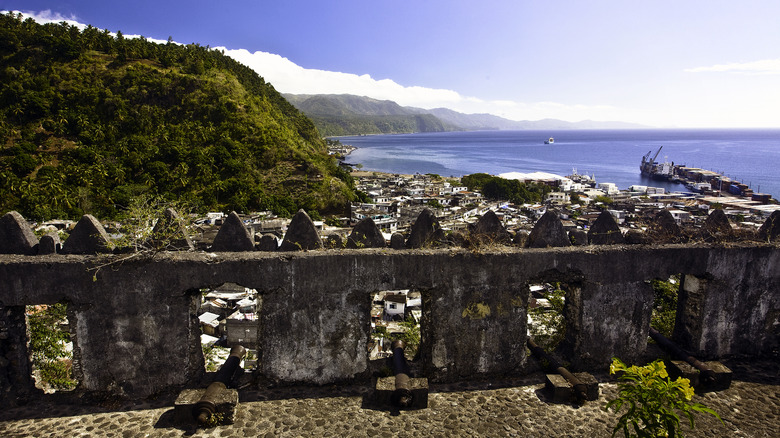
706,372
402,396
207,406
580,389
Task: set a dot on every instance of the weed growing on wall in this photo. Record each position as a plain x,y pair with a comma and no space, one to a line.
654,402
138,225
140,237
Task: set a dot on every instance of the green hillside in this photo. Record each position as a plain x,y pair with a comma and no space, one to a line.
345,114
331,126
89,121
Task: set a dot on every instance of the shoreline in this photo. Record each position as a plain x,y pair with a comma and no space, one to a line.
612,155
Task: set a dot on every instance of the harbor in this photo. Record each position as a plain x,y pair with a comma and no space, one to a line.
705,182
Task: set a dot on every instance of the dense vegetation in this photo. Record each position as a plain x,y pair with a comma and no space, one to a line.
665,304
88,121
345,114
493,187
366,125
50,357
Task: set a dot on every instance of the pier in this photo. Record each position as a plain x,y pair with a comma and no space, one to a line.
706,182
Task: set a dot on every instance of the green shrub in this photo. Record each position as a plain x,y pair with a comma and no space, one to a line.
47,345
549,326
653,401
665,304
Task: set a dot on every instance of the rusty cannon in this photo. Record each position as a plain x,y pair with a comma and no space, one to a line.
206,407
708,376
565,386
402,391
217,403
402,396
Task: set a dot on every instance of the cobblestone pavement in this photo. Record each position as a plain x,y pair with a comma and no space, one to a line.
750,408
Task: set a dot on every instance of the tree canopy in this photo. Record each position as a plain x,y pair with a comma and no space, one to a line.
512,190
89,120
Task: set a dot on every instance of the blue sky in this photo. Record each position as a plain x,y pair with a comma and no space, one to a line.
685,63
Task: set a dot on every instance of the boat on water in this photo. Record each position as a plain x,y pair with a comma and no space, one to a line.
654,169
549,141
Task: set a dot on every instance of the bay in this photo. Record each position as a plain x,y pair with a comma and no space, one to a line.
751,156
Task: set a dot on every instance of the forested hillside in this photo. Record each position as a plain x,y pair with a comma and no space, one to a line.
345,114
89,120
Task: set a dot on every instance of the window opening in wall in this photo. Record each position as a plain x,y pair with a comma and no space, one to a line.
395,314
229,315
665,304
546,321
51,347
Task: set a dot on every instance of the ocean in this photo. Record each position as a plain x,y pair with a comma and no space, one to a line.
751,156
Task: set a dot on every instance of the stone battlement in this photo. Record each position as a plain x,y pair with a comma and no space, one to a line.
135,329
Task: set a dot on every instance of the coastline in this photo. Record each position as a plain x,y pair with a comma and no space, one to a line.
744,155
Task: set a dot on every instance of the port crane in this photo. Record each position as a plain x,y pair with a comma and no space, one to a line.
647,163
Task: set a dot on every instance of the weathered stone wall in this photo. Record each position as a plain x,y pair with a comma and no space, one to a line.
734,308
136,329
15,369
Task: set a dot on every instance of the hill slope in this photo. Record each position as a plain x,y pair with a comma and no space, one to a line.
345,114
88,121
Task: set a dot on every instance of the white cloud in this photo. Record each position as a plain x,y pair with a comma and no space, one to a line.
288,77
762,67
48,16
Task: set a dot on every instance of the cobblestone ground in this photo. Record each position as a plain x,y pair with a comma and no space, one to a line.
750,408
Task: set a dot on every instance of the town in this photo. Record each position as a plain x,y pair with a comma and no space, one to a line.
397,200
228,313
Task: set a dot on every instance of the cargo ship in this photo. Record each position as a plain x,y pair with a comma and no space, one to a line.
653,169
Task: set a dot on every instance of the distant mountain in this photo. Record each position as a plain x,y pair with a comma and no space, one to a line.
346,104
346,114
476,122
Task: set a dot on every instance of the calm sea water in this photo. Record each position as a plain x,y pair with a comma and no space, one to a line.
748,155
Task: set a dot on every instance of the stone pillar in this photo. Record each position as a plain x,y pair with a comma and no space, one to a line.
605,321
150,342
16,383
473,328
734,311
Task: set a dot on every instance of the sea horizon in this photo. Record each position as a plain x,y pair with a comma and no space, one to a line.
748,155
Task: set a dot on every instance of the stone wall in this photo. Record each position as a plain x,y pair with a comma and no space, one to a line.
136,329
133,316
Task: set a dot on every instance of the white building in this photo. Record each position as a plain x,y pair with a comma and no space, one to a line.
680,215
593,193
395,306
609,188
557,198
619,215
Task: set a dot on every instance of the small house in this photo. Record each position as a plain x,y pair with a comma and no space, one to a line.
395,306
209,323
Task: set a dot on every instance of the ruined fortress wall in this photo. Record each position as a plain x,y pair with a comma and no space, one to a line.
136,329
734,307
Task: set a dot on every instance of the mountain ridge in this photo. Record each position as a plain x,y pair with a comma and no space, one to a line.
329,110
